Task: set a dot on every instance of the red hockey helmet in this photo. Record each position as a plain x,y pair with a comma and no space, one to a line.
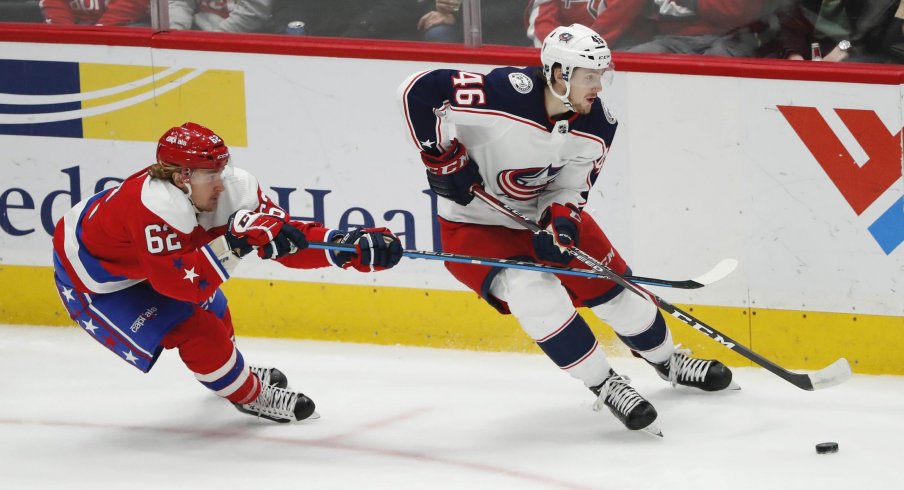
192,146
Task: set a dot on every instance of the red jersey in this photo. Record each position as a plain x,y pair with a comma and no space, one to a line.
147,229
611,18
640,20
101,12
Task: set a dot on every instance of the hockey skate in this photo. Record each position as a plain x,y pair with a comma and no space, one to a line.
625,403
704,374
270,376
278,404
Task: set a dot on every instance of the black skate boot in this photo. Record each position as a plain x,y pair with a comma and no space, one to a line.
279,405
704,374
625,403
270,376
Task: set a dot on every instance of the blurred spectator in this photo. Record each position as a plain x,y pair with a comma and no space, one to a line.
222,15
500,23
622,23
709,27
441,24
874,31
97,12
713,27
896,48
845,30
409,20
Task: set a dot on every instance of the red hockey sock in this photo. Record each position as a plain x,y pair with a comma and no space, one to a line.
205,345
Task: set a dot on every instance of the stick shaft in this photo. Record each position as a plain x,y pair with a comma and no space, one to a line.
515,264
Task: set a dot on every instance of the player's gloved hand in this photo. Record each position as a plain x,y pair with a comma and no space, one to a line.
375,249
452,174
562,228
273,236
238,246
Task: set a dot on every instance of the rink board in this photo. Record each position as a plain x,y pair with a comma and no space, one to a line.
798,178
460,320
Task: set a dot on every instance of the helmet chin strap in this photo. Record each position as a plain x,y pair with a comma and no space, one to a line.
186,181
563,98
197,211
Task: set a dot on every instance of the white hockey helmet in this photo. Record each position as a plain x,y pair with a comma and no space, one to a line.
574,46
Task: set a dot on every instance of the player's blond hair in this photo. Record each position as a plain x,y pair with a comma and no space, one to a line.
163,171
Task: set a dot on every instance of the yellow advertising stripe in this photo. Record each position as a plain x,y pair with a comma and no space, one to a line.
112,125
460,320
214,98
873,344
95,78
379,315
28,296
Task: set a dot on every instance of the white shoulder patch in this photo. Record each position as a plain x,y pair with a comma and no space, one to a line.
170,203
521,82
240,193
608,113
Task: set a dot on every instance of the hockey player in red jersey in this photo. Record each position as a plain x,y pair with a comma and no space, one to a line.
536,140
621,22
139,266
96,12
712,27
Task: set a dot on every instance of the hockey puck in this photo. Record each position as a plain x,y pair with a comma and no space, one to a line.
827,447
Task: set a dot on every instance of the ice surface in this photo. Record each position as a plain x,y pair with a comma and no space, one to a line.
74,416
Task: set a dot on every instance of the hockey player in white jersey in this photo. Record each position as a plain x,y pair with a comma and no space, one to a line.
536,140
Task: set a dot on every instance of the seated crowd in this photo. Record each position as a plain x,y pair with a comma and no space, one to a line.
827,30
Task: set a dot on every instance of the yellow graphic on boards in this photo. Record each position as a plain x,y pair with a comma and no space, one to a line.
139,103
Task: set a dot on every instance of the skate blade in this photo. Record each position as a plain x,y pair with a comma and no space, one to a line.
653,430
733,386
314,416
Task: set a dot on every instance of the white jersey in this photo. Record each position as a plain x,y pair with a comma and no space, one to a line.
220,15
526,159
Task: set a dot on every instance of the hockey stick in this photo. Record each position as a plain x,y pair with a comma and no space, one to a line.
831,375
718,272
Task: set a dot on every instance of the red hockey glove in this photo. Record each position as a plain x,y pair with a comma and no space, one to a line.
375,249
273,236
562,225
452,174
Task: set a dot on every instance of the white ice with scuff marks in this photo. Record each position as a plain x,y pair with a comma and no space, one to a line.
74,416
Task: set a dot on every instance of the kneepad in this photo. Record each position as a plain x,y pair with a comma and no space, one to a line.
627,313
538,301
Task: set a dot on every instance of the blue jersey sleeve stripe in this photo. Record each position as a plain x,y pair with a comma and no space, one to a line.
215,262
